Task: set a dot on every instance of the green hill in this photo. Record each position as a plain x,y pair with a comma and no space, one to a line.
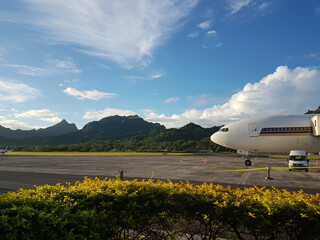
60,128
313,111
116,132
110,128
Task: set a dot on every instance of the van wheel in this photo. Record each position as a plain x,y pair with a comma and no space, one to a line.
306,170
247,162
290,170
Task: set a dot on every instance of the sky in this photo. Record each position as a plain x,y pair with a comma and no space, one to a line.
171,62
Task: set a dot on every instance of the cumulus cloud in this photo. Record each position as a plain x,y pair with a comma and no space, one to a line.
123,31
205,25
36,114
97,115
52,120
211,32
285,91
16,92
41,114
16,124
92,95
157,75
205,100
193,35
172,100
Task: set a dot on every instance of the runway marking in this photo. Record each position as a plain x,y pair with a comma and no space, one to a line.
236,170
255,169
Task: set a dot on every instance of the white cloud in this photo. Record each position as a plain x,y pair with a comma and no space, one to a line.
193,35
206,100
52,120
172,100
211,32
15,124
134,79
314,56
157,75
36,114
66,65
41,114
92,95
205,25
236,5
263,6
97,115
104,66
250,8
30,70
57,66
16,92
123,31
145,111
210,39
285,91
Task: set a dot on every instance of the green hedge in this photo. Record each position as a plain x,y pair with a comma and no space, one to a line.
115,209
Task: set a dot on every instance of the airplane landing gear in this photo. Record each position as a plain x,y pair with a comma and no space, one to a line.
247,162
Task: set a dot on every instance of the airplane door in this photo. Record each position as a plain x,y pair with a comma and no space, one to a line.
253,130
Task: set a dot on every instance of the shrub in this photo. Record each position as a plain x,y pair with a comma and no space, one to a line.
115,209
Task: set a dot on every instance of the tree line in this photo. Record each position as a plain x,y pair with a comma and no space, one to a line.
131,145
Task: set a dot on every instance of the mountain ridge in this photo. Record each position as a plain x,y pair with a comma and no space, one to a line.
110,128
113,127
55,130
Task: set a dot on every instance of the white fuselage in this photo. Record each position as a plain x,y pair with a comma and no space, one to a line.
271,134
3,151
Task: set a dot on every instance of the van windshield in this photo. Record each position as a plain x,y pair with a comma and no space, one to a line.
299,158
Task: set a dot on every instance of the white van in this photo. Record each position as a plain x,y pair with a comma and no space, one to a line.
298,158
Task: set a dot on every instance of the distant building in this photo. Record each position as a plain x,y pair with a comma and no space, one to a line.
205,151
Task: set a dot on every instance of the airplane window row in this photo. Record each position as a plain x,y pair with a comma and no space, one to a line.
287,129
223,129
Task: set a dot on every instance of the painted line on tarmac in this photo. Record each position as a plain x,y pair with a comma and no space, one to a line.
256,169
237,170
293,167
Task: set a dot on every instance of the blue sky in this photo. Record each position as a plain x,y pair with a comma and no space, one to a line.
171,62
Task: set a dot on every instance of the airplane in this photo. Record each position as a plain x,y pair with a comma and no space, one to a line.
277,133
3,151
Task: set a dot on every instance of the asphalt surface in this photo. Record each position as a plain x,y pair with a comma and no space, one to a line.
27,171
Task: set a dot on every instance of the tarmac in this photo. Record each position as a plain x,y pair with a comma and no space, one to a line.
27,171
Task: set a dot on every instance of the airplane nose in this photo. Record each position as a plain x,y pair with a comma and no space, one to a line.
220,138
216,138
213,137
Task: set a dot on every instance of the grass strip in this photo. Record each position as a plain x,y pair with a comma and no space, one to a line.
96,154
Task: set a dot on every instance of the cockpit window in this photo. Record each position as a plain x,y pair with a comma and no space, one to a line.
223,129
